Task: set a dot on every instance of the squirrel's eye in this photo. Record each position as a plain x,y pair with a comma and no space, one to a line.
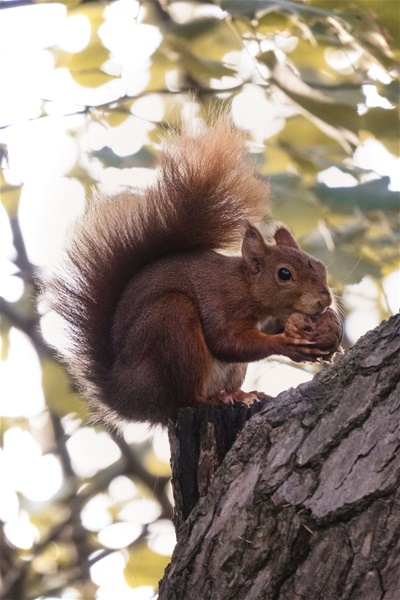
284,274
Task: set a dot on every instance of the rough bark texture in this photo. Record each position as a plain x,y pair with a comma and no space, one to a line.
199,443
306,504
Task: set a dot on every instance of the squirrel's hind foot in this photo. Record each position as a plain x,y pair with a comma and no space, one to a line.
237,395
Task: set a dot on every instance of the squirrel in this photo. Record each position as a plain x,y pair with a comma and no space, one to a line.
157,315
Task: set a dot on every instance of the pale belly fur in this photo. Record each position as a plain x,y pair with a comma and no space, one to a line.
224,376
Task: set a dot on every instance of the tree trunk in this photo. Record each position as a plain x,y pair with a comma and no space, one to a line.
306,503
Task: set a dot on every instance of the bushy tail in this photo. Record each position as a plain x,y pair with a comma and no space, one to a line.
204,190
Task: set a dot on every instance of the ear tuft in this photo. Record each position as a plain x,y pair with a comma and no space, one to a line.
283,237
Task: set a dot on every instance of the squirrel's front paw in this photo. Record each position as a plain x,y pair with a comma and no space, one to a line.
300,350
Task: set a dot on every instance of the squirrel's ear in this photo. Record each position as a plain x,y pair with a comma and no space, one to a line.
254,248
283,237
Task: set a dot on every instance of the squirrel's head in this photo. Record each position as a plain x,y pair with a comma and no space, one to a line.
282,277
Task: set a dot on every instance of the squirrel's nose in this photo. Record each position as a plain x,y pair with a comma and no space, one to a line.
325,300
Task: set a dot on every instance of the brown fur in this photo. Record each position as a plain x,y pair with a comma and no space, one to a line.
156,318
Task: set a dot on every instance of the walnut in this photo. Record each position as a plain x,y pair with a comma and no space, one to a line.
326,329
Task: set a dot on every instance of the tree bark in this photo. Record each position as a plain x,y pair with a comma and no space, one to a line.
306,503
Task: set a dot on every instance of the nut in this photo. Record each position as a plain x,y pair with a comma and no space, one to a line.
325,329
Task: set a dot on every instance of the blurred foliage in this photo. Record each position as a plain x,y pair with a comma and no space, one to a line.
325,75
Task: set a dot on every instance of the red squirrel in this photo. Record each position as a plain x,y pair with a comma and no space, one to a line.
157,317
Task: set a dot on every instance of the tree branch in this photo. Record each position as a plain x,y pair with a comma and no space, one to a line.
306,504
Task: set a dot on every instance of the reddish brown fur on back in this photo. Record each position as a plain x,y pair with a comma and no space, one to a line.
204,190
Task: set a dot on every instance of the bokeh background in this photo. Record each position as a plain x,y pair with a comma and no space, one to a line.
87,90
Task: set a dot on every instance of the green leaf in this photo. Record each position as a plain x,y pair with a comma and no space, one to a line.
251,7
374,195
199,68
94,11
57,390
10,196
391,91
347,264
339,121
90,58
143,158
294,204
387,15
310,60
273,22
161,63
5,338
156,466
384,125
91,79
208,38
374,24
144,567
117,116
381,15
299,131
85,66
